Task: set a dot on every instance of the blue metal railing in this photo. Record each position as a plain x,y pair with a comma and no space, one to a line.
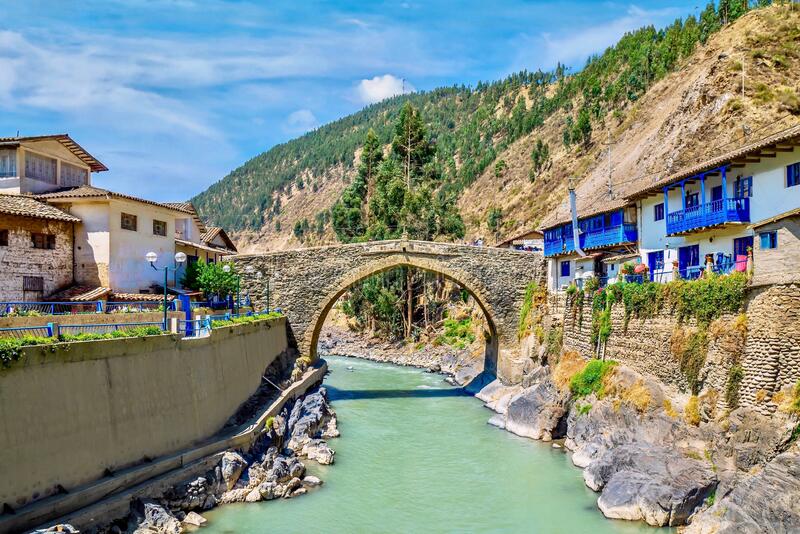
51,308
100,328
709,214
23,331
138,306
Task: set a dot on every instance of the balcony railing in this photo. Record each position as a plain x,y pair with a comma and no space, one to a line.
614,235
604,237
709,214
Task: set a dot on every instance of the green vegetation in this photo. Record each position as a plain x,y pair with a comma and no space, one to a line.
590,379
494,219
244,319
691,412
535,298
583,409
540,158
457,333
735,377
11,348
691,350
471,125
210,278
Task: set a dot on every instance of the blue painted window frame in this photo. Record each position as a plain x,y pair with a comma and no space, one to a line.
565,270
658,212
716,193
793,174
768,240
743,187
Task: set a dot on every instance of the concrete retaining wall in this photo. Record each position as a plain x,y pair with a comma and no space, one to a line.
88,318
70,412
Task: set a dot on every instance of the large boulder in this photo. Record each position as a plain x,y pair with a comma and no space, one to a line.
538,412
308,419
653,484
232,466
318,450
766,502
150,517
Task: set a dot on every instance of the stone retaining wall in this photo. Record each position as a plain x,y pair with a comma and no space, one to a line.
769,351
72,411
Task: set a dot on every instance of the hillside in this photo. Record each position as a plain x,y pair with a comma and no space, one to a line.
663,97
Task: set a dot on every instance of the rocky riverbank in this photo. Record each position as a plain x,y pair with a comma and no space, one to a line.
272,468
729,473
461,364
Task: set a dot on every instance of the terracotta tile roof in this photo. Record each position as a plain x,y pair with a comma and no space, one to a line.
26,206
521,235
788,134
216,231
188,207
81,294
88,191
596,206
201,246
94,164
138,297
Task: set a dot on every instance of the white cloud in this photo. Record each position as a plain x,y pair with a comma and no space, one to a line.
301,121
381,87
574,47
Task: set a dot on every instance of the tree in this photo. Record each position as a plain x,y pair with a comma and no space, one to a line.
540,158
583,128
499,168
213,280
709,22
190,279
371,157
494,219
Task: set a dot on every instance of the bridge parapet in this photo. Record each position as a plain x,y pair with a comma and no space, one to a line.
307,282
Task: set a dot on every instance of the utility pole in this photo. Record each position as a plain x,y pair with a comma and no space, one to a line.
610,182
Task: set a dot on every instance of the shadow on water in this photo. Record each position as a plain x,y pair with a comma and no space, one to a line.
418,393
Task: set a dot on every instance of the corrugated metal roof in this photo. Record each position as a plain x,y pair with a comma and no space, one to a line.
94,164
25,206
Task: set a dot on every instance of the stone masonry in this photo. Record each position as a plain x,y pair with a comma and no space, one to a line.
19,259
307,282
768,351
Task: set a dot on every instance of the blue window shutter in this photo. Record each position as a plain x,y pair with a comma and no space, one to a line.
793,174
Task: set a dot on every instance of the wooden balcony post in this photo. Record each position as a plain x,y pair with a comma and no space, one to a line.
702,195
683,196
724,188
666,209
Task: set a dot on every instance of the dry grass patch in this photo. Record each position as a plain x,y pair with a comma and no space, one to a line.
669,409
569,365
691,413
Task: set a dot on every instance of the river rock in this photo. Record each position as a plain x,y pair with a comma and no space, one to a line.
307,419
318,450
331,429
285,468
253,496
538,412
234,495
654,484
61,527
267,490
497,396
233,464
768,501
150,517
310,480
194,519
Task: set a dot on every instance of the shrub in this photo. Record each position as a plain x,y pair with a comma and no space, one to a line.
794,407
642,300
691,351
692,411
638,395
590,379
457,333
669,409
244,319
584,408
707,298
554,341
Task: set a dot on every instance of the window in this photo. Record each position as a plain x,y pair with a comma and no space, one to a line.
716,193
40,168
3,238
565,268
658,212
793,174
32,283
159,227
768,240
8,163
128,221
743,187
692,199
72,175
43,241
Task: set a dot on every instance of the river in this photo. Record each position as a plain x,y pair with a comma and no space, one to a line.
416,455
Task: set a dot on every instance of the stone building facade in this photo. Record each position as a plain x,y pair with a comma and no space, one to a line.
776,250
36,249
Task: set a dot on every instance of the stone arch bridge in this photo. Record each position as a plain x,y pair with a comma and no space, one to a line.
306,283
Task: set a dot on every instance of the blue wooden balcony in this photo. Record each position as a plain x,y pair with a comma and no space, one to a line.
613,235
558,245
706,214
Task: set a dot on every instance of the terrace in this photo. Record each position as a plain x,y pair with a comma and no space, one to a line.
596,232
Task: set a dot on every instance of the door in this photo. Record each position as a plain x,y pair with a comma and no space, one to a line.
716,193
689,261
655,261
740,247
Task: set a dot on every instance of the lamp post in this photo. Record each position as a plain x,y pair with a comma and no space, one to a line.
180,259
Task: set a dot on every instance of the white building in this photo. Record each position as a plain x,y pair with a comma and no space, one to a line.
704,212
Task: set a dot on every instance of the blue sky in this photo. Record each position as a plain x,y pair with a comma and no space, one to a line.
173,94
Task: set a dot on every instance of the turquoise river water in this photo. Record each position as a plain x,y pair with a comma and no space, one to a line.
415,456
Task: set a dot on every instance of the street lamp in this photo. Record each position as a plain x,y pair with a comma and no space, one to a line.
180,259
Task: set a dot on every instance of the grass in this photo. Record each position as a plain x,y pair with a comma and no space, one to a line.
569,365
244,319
530,314
11,348
457,333
734,383
692,411
590,379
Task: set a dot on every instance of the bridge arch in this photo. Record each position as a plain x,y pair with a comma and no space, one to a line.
305,283
473,286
